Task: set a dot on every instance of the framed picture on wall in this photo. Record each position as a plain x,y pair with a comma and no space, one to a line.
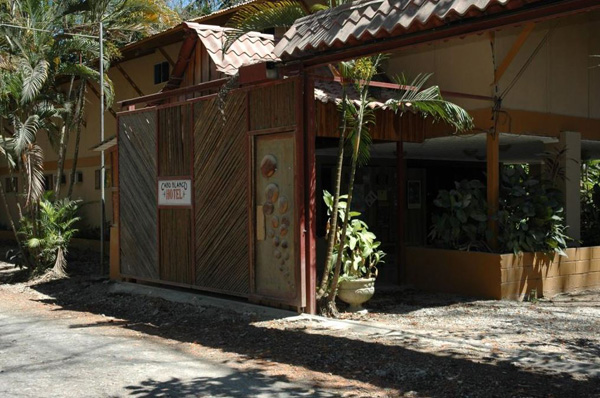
413,194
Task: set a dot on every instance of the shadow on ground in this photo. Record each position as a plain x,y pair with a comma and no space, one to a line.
251,383
399,367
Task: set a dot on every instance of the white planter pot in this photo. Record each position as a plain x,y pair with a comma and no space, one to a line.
356,292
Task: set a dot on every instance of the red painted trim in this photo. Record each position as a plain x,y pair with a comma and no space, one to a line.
250,199
299,199
193,209
175,93
158,236
164,178
274,130
393,86
311,195
401,207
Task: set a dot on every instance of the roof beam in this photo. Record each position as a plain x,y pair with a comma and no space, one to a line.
129,79
97,94
167,57
514,50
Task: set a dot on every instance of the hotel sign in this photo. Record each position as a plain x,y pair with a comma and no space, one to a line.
174,192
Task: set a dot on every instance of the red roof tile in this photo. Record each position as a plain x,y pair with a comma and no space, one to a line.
250,48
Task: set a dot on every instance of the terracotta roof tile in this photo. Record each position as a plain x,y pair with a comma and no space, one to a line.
365,20
250,48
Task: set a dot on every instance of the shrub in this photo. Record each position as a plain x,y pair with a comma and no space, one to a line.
48,236
590,203
462,223
361,253
531,216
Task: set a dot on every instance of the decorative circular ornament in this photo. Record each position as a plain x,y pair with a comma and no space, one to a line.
285,221
282,204
272,193
268,166
287,256
277,253
284,244
276,241
283,230
275,221
271,233
268,208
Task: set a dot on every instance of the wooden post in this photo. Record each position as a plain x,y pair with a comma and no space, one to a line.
401,209
493,184
311,205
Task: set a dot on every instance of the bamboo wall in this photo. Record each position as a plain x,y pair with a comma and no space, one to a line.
211,242
137,195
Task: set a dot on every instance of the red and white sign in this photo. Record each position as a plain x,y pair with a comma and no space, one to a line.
175,192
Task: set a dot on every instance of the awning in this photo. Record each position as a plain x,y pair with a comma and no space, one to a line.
105,145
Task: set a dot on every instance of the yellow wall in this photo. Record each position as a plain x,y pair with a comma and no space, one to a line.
559,79
141,71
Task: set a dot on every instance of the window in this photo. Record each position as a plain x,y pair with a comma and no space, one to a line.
107,179
161,72
11,184
49,182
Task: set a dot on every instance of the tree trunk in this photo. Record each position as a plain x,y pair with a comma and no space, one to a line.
62,151
78,119
322,291
13,227
330,303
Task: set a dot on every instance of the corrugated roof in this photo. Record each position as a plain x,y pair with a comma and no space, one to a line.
250,48
366,20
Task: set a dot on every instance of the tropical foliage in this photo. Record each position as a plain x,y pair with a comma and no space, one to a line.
48,235
49,54
590,203
355,122
360,254
462,222
531,215
530,218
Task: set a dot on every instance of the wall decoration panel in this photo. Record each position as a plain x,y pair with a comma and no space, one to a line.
274,193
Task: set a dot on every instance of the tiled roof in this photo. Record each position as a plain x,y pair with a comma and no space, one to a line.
368,20
250,48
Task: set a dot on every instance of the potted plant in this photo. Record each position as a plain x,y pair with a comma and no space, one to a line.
360,257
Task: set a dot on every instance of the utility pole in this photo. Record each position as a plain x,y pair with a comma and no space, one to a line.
102,168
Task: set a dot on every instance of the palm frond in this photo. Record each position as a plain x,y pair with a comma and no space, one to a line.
34,78
259,17
33,159
430,103
25,133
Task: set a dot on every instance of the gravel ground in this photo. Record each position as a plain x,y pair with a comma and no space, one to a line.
427,345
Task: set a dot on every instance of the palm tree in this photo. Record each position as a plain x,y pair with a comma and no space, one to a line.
357,120
44,68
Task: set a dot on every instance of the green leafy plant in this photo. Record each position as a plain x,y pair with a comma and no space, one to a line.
462,223
360,254
531,216
48,236
590,203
